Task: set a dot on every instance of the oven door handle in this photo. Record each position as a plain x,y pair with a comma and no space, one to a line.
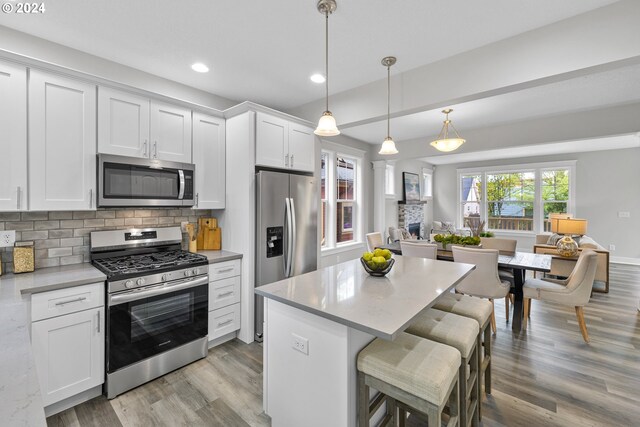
129,296
181,185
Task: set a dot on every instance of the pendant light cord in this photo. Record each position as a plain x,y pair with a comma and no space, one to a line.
326,57
388,100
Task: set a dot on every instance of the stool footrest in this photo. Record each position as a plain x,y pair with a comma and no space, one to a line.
375,404
470,383
485,362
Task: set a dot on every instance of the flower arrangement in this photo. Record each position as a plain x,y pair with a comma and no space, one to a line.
456,239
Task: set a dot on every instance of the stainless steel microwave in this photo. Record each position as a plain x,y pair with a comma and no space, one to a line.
132,181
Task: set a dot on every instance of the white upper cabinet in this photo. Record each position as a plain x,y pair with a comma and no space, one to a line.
13,137
123,123
283,144
209,158
62,143
170,133
301,147
132,125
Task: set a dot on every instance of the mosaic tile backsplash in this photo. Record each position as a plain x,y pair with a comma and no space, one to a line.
63,237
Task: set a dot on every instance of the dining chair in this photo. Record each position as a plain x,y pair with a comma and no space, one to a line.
420,249
574,291
484,281
374,240
505,247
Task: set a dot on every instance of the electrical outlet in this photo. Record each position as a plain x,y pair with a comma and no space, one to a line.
7,238
299,343
612,248
623,214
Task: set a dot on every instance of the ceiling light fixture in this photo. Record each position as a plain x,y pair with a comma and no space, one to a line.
444,143
327,123
388,146
200,67
317,78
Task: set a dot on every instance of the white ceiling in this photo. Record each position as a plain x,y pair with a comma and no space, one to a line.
265,51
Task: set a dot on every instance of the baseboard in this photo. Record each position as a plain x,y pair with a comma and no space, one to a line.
72,401
223,339
624,260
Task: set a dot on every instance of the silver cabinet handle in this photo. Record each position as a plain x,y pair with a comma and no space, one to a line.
224,270
286,160
225,294
98,321
197,197
90,198
71,300
292,160
144,149
226,322
18,198
155,149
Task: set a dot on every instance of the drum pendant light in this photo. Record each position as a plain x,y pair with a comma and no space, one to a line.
388,146
327,123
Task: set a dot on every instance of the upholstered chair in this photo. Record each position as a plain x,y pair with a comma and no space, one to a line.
484,281
417,248
374,240
505,247
575,291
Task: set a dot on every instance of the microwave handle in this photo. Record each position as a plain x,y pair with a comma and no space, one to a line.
181,186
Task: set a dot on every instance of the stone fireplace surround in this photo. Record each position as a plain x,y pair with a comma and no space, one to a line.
411,213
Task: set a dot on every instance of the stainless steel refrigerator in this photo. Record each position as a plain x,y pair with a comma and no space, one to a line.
286,230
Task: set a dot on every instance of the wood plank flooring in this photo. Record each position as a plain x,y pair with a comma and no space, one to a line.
546,376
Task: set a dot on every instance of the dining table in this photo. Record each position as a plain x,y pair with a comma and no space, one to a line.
517,261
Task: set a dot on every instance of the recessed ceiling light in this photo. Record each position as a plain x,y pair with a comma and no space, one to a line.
317,78
200,67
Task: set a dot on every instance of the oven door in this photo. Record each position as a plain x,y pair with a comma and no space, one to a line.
145,322
129,181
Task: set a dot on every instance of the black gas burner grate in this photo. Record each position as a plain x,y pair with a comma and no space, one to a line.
142,263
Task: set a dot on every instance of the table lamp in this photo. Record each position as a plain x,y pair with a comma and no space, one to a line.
554,217
570,227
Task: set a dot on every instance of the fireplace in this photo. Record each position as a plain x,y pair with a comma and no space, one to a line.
414,230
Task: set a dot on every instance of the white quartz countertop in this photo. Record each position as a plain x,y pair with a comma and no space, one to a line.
220,256
381,306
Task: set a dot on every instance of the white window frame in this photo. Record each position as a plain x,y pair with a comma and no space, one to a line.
423,190
390,181
333,151
538,208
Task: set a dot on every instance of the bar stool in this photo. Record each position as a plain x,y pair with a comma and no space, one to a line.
480,310
412,374
462,333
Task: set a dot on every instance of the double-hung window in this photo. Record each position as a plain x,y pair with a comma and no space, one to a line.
516,198
341,200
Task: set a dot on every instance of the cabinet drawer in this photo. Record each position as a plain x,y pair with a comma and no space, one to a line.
224,320
222,270
224,292
45,305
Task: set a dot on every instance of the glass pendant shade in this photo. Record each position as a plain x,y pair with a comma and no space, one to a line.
388,147
327,125
443,142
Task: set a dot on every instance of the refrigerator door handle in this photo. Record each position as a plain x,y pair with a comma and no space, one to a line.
287,236
293,237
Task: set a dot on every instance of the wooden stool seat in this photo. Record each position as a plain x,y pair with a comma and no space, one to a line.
419,374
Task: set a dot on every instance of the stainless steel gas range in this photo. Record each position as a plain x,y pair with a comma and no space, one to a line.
157,304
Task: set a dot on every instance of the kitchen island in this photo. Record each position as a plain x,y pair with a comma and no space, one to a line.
316,323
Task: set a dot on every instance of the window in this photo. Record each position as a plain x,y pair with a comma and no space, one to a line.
515,198
340,197
427,184
390,181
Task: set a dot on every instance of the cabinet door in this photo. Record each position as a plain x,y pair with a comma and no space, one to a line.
62,143
13,137
123,123
69,353
209,158
170,133
301,148
271,141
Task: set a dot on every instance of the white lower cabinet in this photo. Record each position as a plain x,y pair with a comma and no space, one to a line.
225,281
69,349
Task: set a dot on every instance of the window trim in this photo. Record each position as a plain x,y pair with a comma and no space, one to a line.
538,204
426,171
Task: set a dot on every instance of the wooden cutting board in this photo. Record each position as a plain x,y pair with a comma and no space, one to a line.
209,234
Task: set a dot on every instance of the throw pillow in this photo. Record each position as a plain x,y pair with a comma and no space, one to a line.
553,239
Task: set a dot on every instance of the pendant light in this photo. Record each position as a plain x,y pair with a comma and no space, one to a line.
444,143
388,146
327,123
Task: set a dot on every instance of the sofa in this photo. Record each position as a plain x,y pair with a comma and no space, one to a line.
562,267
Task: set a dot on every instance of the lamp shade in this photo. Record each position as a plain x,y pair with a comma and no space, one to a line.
327,125
449,144
388,147
572,226
554,217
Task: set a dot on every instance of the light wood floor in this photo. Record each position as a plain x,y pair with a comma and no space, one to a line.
545,377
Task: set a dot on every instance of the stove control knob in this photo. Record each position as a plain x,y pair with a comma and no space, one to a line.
187,273
140,282
195,271
128,284
165,277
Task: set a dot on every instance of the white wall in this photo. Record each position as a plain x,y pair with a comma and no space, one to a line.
606,182
25,45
